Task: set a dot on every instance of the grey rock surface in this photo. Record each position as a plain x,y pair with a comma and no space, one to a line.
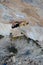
28,52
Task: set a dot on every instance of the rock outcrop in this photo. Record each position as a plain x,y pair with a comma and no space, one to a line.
20,10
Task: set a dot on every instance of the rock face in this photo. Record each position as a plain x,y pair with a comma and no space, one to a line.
33,32
5,29
3,1
29,10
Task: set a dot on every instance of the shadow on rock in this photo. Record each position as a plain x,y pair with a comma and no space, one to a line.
1,36
12,49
